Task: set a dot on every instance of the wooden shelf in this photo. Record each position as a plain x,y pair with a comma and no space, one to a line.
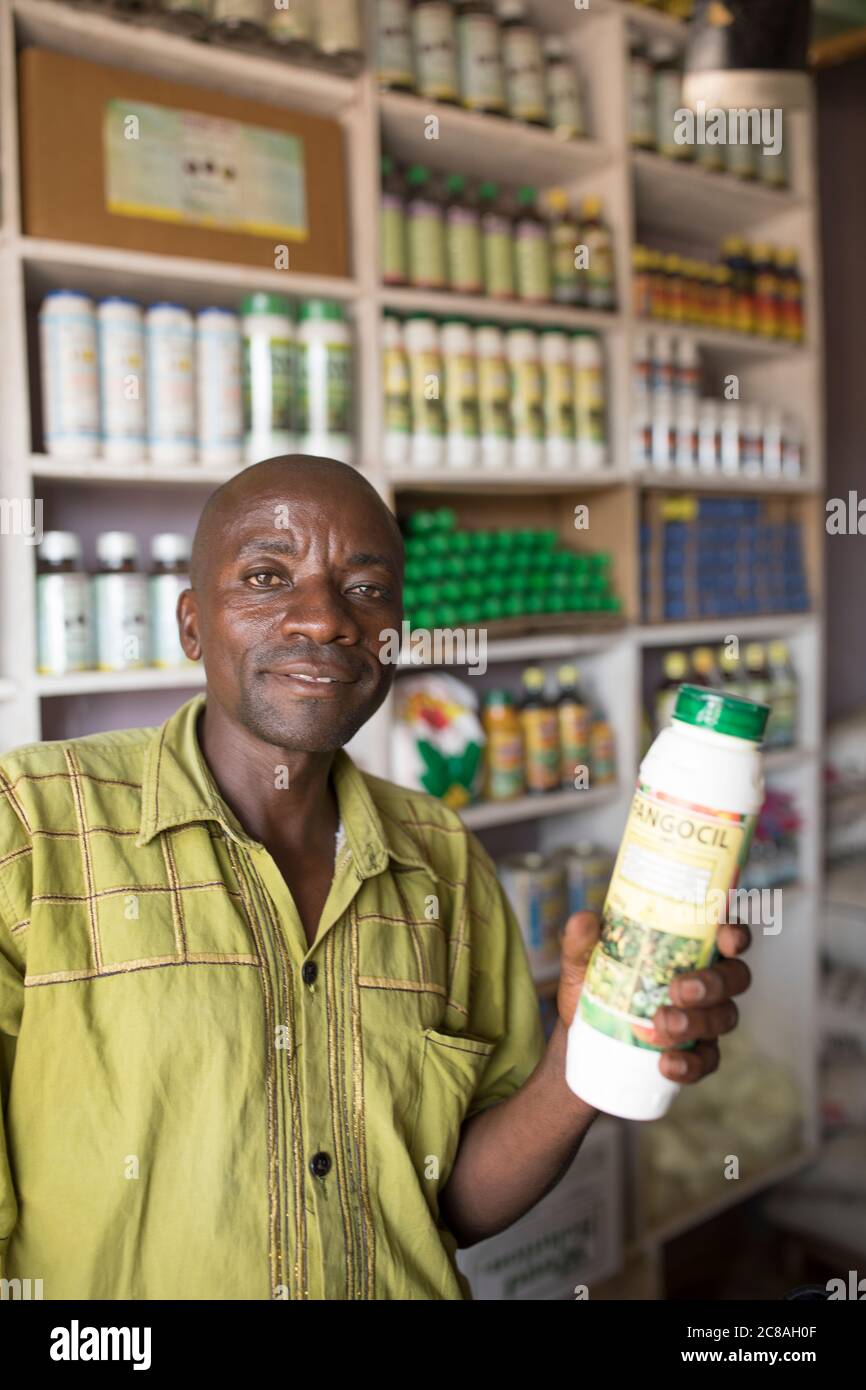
97,472
724,483
715,629
488,480
721,340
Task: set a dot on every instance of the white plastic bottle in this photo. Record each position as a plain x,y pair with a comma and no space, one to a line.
269,376
494,397
421,334
589,401
70,378
398,397
62,606
558,364
121,379
218,387
169,554
700,788
461,394
709,437
120,603
325,372
527,398
170,384
730,435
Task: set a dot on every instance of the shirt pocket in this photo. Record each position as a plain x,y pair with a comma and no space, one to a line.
452,1067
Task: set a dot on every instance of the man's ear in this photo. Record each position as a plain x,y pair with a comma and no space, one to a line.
187,624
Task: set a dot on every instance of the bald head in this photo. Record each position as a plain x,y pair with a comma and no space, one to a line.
291,477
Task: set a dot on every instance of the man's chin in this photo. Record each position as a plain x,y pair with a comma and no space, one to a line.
308,726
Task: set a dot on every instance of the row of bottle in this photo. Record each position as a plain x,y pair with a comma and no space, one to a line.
545,742
764,673
544,891
485,59
328,34
729,438
117,619
655,117
755,289
127,383
440,234
499,398
677,9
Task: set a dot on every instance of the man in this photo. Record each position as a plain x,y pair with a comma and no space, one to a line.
268,1025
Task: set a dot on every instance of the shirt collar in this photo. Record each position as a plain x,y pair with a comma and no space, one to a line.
178,789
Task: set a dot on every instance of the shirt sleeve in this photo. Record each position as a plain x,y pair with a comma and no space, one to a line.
15,890
505,1002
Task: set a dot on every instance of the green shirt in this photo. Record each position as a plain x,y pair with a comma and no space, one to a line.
197,1103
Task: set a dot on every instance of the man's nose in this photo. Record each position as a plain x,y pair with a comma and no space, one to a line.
315,608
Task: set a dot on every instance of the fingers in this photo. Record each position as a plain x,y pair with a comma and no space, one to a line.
718,982
579,936
686,1067
733,938
673,1025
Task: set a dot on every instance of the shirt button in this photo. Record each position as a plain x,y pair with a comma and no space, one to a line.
309,971
320,1165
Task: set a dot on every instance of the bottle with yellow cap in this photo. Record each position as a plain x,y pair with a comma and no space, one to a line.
596,236
641,284
735,253
564,238
784,697
704,668
674,270
732,674
575,725
540,728
757,678
676,669
790,295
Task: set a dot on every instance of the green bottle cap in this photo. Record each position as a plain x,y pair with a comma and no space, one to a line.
447,615
488,190
446,519
455,183
417,175
526,195
492,608
319,310
498,697
425,617
723,714
263,303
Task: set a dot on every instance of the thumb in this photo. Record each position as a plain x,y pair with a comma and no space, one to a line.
579,936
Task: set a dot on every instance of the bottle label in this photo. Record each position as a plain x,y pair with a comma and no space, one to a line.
63,623
461,396
541,738
398,407
504,758
393,239
170,386
589,404
269,384
669,891
533,262
121,354
69,354
165,648
527,400
559,401
435,58
464,251
480,66
494,397
426,245
395,44
524,75
563,94
575,722
121,607
425,374
498,247
599,270
668,102
324,389
220,412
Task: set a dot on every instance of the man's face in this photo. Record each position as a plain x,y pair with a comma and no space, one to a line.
289,613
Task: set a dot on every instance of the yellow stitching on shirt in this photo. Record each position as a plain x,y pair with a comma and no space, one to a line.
130,888
358,1076
270,1074
19,926
17,853
335,1092
72,764
177,916
379,982
9,792
419,954
60,977
91,777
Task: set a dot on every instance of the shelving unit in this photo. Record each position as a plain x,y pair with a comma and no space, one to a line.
642,194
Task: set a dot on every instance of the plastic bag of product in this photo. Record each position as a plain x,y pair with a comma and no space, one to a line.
437,739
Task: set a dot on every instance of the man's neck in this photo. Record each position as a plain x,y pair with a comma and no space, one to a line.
280,797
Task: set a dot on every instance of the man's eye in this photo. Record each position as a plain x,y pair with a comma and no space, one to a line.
368,590
263,579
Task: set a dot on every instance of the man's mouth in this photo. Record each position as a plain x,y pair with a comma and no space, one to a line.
312,677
